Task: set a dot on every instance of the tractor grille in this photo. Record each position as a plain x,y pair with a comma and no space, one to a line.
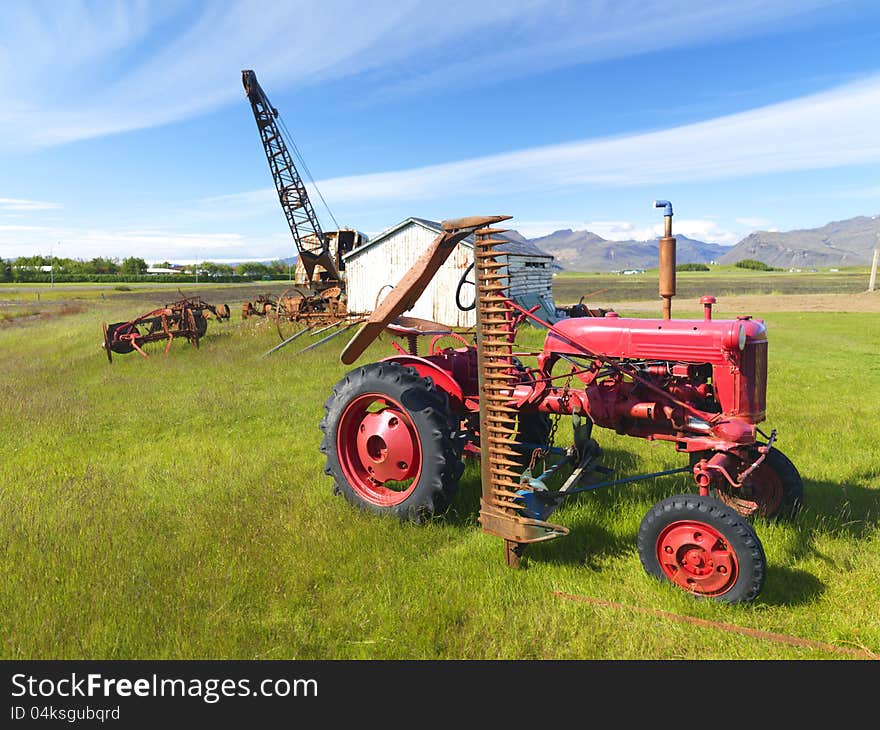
752,386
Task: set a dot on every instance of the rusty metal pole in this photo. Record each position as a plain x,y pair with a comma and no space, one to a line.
667,259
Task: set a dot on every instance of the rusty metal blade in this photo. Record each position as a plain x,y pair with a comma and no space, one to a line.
328,337
285,343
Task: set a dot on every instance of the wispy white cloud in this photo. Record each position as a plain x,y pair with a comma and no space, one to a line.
239,206
19,204
785,137
702,230
73,69
539,36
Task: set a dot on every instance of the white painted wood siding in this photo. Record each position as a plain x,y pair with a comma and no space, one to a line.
391,258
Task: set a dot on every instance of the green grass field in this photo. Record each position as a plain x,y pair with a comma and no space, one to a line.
176,507
722,281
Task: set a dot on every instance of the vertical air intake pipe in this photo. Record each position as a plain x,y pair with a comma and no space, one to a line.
667,259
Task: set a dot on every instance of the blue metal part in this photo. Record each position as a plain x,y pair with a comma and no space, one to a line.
550,471
626,480
536,508
539,502
664,204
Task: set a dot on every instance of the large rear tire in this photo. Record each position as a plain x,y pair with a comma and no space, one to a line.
388,442
704,547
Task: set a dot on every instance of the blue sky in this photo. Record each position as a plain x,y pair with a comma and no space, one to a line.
124,129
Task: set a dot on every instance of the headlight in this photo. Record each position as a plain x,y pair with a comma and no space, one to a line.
735,337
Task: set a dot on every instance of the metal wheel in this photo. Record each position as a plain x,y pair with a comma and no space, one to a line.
448,339
286,322
704,547
774,489
388,442
120,347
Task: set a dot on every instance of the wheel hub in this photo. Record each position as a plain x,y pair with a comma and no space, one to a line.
695,557
385,446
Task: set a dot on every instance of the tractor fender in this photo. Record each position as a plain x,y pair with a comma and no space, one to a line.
442,378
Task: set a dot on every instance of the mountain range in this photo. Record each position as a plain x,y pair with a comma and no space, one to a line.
839,243
586,251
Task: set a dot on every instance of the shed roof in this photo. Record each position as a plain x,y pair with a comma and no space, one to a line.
517,248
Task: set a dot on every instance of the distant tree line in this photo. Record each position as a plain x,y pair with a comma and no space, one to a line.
692,267
39,269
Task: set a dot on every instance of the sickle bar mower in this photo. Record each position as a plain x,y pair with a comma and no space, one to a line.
395,430
187,318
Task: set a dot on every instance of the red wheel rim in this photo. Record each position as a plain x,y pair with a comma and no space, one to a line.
379,449
697,558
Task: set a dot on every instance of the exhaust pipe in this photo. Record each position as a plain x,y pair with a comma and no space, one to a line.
667,259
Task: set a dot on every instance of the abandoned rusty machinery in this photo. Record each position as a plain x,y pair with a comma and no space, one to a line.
396,430
186,318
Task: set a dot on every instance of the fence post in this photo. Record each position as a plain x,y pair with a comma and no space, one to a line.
873,280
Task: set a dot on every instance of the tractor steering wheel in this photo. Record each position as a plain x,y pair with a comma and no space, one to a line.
461,282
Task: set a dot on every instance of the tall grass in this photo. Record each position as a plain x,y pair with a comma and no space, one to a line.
176,507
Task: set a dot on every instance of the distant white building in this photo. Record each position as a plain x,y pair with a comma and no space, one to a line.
160,270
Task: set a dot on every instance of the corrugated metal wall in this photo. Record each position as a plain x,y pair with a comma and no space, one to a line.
387,262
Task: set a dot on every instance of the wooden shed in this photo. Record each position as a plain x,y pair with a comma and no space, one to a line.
373,268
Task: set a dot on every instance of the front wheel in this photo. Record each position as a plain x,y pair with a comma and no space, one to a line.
388,442
704,547
774,489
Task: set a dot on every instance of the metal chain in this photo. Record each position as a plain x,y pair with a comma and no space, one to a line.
563,401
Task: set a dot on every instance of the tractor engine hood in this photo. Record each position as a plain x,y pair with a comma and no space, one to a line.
682,340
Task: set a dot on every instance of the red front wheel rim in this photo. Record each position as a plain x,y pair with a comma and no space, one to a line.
697,558
379,449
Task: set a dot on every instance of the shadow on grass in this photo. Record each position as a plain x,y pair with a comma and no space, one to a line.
842,508
587,545
835,510
790,587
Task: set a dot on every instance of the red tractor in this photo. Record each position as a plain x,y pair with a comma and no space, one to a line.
395,431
